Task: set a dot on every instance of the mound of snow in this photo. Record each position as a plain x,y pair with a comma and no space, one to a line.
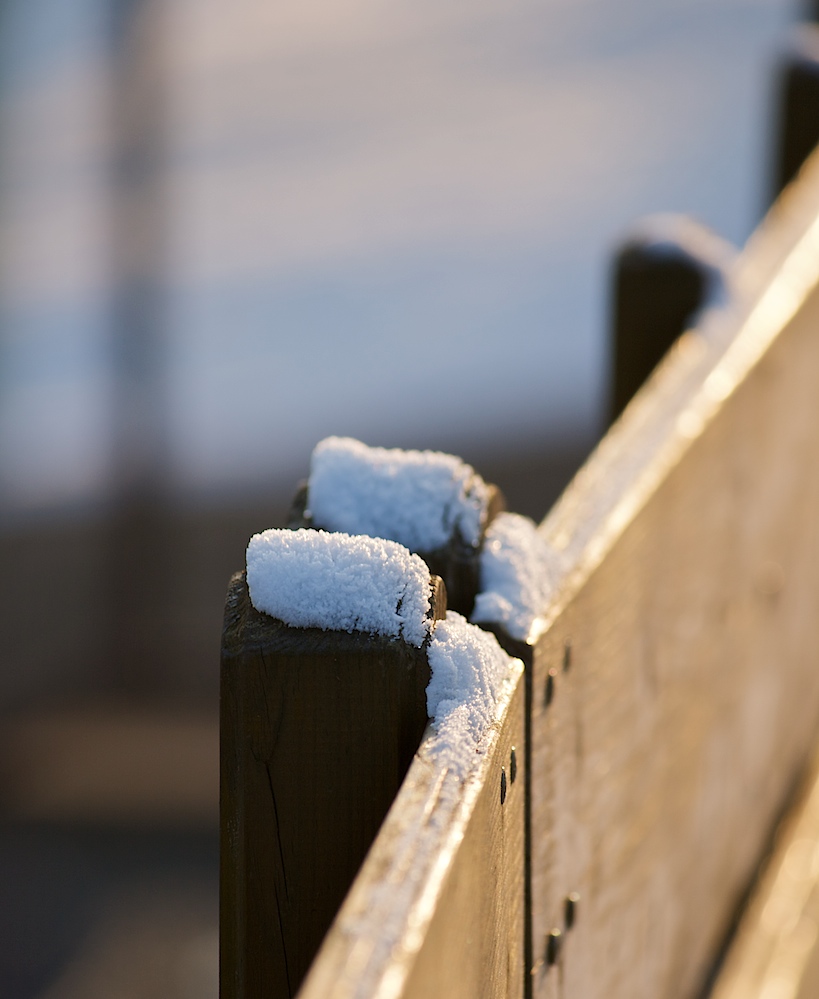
417,498
313,579
514,579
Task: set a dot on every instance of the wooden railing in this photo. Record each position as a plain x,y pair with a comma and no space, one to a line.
666,702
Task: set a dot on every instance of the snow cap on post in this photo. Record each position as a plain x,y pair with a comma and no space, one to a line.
516,580
421,499
337,582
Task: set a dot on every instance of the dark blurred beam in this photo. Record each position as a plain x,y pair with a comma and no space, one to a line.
141,657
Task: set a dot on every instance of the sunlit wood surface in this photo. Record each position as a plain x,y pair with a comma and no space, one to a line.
691,548
775,954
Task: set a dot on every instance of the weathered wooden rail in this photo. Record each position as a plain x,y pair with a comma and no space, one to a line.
667,701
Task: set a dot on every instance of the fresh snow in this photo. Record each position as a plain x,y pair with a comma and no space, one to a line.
417,498
515,581
312,579
470,672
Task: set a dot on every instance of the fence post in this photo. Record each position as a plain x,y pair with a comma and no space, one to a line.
798,124
663,275
318,729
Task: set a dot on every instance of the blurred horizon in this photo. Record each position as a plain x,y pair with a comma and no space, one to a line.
228,233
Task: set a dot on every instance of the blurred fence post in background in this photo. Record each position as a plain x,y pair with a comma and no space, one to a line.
797,127
663,275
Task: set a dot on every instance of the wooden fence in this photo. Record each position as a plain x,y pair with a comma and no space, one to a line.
664,710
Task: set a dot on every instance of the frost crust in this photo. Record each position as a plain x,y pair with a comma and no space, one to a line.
470,672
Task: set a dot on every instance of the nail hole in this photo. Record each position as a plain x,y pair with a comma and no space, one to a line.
553,943
549,693
571,909
513,765
503,785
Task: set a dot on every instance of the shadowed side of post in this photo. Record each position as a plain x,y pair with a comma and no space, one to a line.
666,272
797,125
318,729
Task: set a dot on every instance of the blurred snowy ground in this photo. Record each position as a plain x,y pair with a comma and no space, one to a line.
227,230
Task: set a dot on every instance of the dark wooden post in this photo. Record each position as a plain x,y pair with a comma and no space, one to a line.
458,564
798,106
318,730
662,276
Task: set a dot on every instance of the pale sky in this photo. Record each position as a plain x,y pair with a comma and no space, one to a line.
352,217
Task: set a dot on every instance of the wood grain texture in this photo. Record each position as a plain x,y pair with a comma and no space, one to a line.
437,909
318,730
776,949
687,564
